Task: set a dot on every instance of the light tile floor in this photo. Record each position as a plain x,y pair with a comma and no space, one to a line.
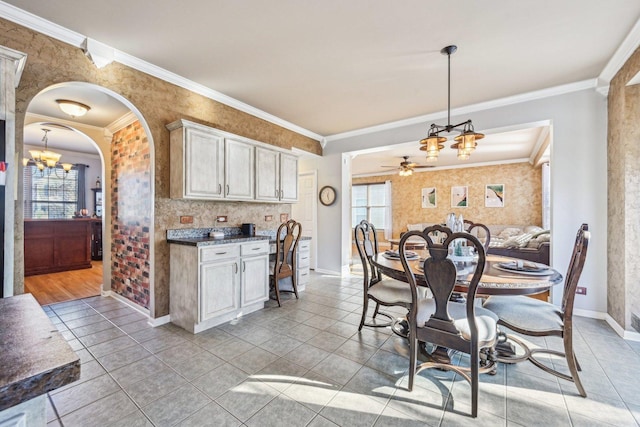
305,364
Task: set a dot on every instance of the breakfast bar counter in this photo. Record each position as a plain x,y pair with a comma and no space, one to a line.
35,359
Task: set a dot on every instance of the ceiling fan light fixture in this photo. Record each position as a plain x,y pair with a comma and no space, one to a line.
73,108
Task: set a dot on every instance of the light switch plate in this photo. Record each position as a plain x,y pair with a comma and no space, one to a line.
221,218
268,217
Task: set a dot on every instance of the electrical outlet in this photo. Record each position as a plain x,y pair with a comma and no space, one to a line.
581,290
221,218
186,219
268,217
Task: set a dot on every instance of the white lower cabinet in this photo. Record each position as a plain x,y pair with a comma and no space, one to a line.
218,289
214,284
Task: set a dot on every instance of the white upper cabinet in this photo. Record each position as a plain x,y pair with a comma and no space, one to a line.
197,164
276,176
288,178
267,174
239,170
210,164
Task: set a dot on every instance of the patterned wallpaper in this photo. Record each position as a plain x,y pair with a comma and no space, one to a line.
522,195
623,194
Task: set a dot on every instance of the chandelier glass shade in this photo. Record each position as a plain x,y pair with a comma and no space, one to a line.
46,158
465,142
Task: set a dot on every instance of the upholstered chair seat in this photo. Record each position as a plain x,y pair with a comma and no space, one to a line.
486,321
526,313
391,291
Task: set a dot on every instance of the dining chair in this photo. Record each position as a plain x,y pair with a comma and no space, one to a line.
537,318
287,239
382,290
479,230
463,327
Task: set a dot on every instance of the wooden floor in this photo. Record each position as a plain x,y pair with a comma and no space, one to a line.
65,286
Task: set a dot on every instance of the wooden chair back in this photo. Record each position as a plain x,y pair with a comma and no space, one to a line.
287,243
367,244
479,229
441,275
574,271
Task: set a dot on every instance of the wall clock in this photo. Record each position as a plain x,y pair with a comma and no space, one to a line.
327,195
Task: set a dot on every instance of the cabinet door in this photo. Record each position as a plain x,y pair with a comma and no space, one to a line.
288,178
203,165
255,279
267,174
218,288
239,170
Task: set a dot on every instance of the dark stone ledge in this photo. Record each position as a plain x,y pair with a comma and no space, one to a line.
34,356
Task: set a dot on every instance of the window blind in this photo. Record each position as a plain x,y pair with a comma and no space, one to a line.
50,194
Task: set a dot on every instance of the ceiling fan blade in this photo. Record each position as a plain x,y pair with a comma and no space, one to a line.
384,166
424,166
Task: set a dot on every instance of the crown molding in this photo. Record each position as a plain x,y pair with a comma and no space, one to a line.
439,168
41,25
69,123
496,103
121,122
621,55
58,32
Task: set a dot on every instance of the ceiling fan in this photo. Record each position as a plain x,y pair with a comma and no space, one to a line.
406,167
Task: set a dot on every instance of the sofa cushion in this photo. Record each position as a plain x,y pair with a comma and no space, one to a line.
509,232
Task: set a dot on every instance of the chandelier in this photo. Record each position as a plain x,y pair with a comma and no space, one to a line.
466,141
46,158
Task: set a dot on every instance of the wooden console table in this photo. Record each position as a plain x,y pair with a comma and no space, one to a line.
53,245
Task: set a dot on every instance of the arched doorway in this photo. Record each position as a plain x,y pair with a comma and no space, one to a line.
125,143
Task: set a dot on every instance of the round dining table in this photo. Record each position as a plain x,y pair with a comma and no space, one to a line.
494,280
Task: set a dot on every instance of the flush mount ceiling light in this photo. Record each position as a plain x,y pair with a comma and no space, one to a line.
73,108
466,141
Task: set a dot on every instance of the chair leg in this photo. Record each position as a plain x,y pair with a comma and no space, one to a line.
413,356
572,363
365,307
277,289
376,311
475,379
294,283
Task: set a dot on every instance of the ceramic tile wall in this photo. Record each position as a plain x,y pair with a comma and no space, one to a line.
523,195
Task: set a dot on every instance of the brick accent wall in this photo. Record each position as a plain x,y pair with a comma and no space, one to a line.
130,217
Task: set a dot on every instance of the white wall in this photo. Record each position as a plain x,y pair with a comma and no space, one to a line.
578,179
91,174
329,225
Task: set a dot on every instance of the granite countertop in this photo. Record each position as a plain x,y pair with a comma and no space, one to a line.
208,241
35,358
199,237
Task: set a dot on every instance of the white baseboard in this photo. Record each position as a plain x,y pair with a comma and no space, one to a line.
123,300
590,313
323,271
160,320
627,335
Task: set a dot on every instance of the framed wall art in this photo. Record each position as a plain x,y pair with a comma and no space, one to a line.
459,196
494,196
429,197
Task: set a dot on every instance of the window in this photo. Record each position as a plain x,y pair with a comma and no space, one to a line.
50,194
369,201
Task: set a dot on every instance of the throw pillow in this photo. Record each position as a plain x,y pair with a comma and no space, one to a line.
509,232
